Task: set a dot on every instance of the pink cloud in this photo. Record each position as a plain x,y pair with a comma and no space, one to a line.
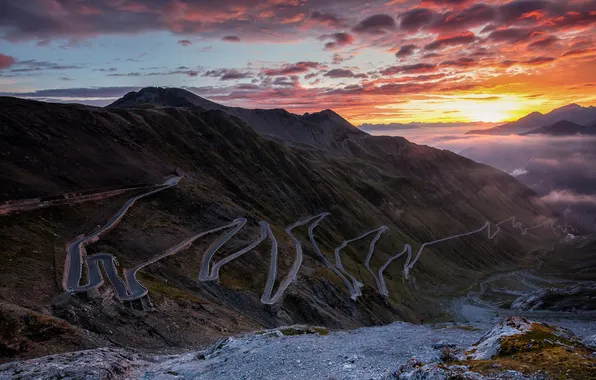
6,61
338,40
452,40
291,69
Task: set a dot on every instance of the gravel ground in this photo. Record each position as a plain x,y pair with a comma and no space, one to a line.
366,353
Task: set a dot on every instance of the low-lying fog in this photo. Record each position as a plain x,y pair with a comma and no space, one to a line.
562,170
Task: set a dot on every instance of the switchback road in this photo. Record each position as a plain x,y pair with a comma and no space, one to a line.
131,289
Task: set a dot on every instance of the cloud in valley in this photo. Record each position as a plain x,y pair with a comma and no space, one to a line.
567,197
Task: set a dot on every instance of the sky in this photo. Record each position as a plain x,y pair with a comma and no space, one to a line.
451,61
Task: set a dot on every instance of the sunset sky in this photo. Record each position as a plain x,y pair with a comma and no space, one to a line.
371,61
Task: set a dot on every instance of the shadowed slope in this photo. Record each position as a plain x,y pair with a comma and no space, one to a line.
421,194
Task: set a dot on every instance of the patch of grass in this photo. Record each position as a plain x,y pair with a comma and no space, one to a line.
539,337
42,328
326,273
156,286
464,328
299,330
236,282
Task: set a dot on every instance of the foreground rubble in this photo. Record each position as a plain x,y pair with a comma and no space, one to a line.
513,349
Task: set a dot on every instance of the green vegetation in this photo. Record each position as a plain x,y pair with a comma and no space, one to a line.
161,288
463,327
543,348
303,330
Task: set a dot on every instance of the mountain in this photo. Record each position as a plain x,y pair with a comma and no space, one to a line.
321,129
162,97
562,128
59,151
573,113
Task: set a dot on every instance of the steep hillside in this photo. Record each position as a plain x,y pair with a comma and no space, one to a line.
421,194
573,113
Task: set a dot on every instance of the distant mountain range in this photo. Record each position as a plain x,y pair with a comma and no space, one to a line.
563,128
579,120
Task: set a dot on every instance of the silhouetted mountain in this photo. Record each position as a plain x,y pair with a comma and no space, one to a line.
563,128
162,97
573,113
323,129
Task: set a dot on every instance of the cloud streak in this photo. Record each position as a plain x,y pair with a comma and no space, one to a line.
568,197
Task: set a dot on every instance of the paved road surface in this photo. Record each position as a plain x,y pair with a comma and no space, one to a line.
132,289
76,252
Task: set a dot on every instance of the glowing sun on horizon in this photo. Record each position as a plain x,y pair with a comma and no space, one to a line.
486,109
486,115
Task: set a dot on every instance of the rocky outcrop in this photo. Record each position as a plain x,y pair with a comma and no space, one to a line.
590,342
513,349
535,349
490,344
574,298
97,364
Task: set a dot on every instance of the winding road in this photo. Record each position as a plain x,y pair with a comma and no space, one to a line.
131,289
75,253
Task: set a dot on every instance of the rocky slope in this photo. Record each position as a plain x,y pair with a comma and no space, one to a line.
512,349
420,193
573,265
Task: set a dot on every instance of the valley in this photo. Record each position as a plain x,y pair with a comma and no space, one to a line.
396,232
297,189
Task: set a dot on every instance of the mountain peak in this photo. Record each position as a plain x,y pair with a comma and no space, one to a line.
561,128
326,112
330,116
162,97
532,115
568,107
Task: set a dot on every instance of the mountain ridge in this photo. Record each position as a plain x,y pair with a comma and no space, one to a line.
562,128
572,112
325,128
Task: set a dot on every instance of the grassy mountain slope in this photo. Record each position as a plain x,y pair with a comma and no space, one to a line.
421,193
